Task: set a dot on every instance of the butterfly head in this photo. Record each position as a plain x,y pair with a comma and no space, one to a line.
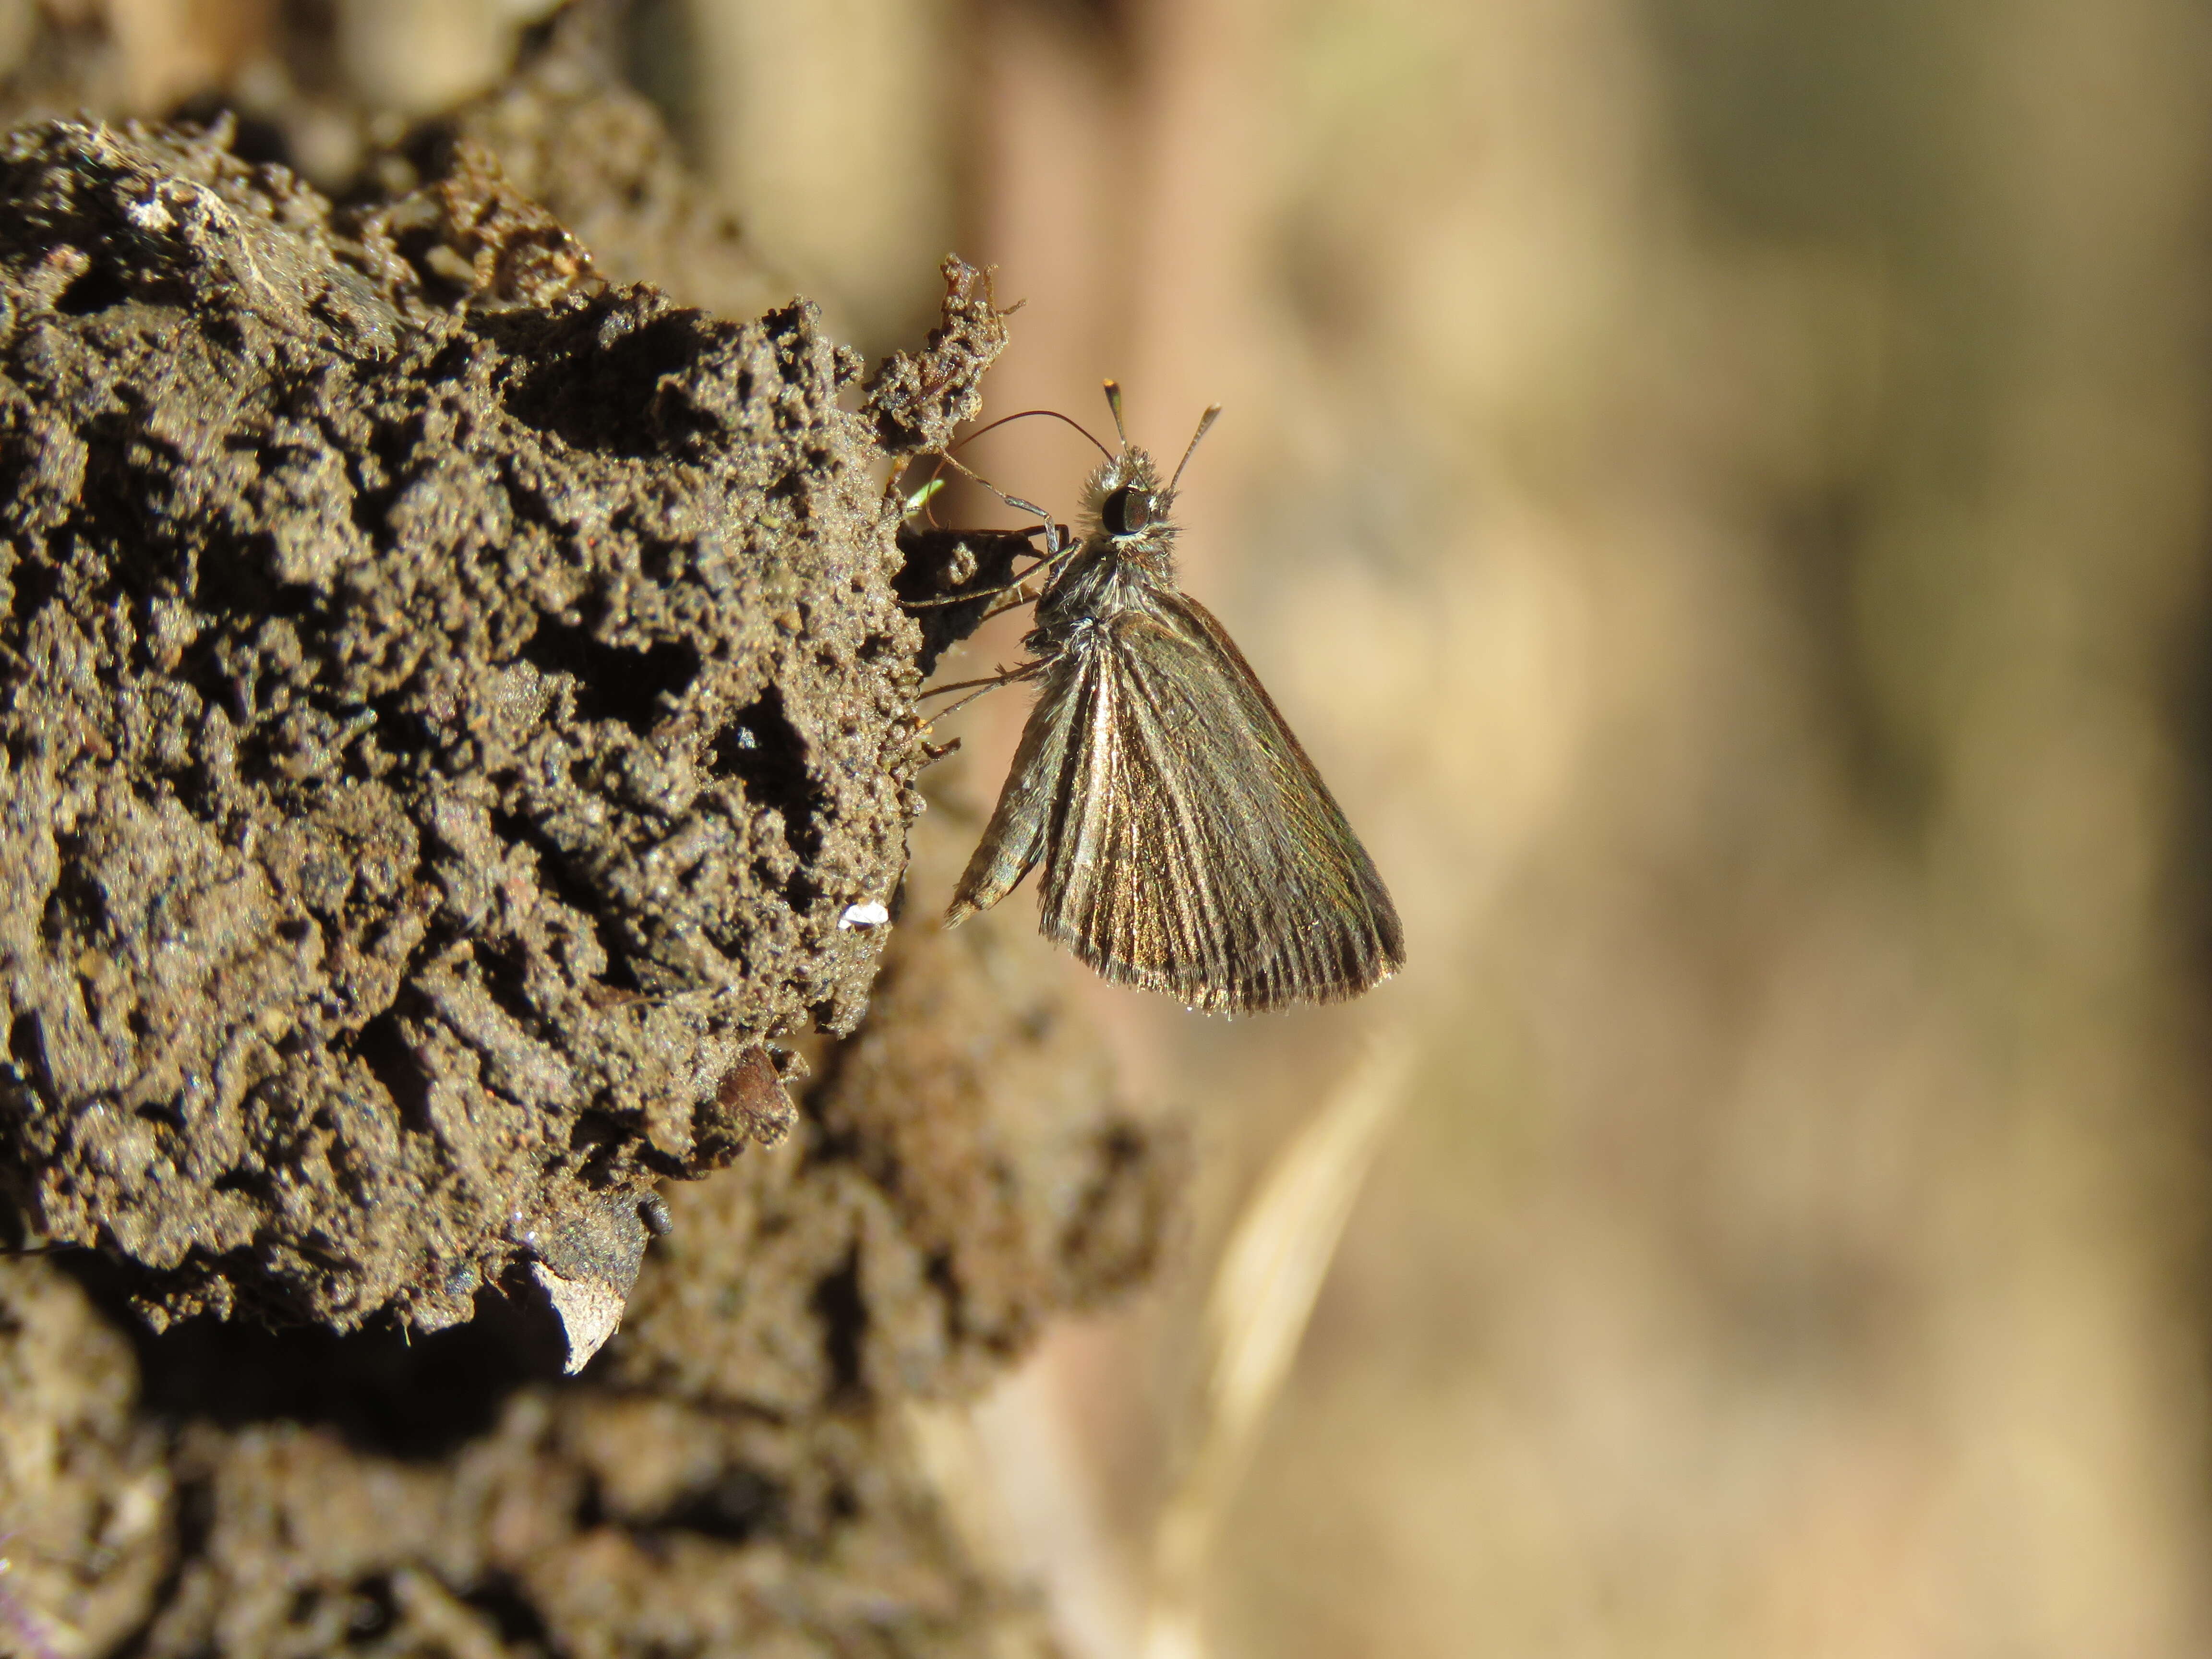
1125,504
1126,509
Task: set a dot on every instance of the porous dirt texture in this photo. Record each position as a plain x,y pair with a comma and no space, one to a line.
450,704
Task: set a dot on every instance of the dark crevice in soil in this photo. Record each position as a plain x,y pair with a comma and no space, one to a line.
764,751
608,400
843,1310
35,585
383,1393
516,1619
563,883
384,1049
737,1505
614,682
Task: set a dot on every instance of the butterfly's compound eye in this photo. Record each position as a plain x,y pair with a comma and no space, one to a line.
1126,510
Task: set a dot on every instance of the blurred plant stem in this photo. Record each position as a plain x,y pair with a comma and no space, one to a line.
1263,1295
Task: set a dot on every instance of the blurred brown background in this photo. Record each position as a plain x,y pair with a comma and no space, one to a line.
1720,487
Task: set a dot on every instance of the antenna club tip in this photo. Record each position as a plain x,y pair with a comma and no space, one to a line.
1114,403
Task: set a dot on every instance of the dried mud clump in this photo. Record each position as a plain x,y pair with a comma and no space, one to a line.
739,1471
448,704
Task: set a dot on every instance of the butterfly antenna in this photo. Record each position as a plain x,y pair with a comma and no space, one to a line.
1005,419
1114,403
1205,425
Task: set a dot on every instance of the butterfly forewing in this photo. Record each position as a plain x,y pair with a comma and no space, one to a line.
1191,847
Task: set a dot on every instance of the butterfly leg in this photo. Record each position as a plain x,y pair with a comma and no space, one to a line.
988,682
1057,546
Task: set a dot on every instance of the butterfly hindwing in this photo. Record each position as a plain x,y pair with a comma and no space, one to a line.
1015,838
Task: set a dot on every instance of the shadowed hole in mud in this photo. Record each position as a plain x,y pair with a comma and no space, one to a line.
738,1505
231,577
398,730
34,584
596,1132
506,977
384,1049
99,289
27,1051
384,1393
764,751
938,562
602,393
614,682
600,1138
202,669
78,906
843,1311
373,1612
502,1600
561,884
937,1272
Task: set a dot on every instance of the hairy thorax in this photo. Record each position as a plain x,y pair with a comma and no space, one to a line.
1102,582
